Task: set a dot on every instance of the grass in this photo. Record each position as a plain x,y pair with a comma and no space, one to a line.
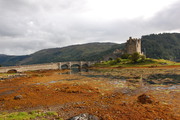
41,115
148,62
6,74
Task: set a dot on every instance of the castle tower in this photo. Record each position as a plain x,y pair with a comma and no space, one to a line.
133,45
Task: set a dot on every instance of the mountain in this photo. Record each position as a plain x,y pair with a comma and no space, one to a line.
162,46
6,60
158,46
83,52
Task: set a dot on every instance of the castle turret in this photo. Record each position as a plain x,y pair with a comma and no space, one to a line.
133,45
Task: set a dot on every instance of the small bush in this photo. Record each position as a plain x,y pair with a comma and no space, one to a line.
110,59
135,57
118,60
112,62
143,58
125,56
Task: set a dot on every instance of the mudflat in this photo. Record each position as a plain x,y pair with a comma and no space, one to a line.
111,94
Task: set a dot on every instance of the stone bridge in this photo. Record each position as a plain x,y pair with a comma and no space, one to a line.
47,66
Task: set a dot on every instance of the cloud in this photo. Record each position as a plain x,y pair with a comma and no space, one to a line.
30,25
167,20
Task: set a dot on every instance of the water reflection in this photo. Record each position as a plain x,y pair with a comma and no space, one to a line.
79,70
120,80
76,70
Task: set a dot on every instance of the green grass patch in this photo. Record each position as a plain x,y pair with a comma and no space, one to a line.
6,74
41,115
148,62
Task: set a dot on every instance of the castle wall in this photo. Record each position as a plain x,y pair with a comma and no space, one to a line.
133,45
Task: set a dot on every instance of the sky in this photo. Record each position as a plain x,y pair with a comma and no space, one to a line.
27,26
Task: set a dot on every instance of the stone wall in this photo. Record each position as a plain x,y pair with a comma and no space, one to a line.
30,67
133,45
47,66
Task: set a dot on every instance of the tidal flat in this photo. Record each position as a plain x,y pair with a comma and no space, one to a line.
109,93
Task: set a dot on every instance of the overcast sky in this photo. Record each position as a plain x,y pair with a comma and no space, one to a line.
27,26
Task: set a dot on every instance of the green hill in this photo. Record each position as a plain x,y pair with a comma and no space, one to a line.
6,60
84,52
162,46
90,51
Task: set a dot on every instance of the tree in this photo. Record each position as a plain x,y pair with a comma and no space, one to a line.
125,56
134,57
110,59
118,60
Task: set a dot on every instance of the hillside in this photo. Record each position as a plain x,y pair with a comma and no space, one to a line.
162,46
90,51
6,60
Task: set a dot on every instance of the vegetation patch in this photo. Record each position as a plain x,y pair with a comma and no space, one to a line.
28,115
135,60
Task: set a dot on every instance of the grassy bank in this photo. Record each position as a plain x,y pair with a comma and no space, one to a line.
40,115
148,62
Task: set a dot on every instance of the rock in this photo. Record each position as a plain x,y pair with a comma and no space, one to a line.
163,63
12,71
144,99
2,99
85,116
18,97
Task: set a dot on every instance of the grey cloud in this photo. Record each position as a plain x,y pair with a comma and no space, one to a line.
30,25
14,6
166,20
14,15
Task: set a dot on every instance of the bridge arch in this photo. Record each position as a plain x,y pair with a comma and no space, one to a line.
85,65
76,65
64,66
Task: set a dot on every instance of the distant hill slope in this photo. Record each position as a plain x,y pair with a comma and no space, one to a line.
90,52
166,46
6,60
162,46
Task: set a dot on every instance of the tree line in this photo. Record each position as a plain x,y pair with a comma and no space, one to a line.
162,46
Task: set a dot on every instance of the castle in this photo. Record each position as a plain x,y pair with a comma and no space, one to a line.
133,45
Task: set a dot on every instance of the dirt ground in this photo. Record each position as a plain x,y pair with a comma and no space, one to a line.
74,94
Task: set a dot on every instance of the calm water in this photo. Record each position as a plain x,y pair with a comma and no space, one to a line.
121,79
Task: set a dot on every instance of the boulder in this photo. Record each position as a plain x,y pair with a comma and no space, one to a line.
12,71
144,99
18,97
2,99
85,116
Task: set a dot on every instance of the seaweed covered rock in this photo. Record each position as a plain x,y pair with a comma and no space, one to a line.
85,116
18,97
145,99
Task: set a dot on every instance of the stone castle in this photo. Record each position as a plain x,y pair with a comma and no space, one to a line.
133,45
